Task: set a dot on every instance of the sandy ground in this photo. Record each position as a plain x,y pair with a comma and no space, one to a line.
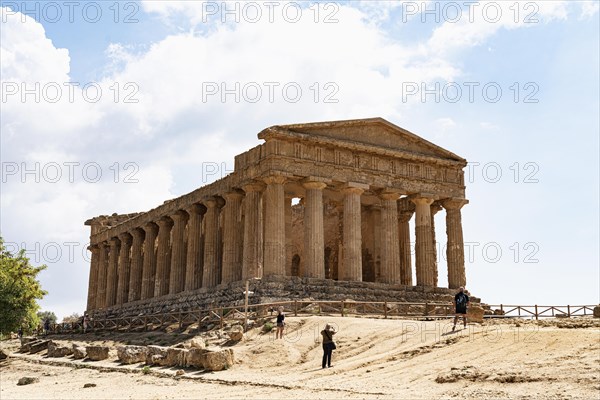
376,358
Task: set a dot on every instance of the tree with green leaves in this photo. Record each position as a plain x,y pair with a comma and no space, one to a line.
47,315
19,291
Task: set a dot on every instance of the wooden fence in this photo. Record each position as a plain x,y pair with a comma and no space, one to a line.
256,312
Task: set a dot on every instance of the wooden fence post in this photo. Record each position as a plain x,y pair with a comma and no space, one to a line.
568,311
536,312
295,308
221,317
385,309
342,308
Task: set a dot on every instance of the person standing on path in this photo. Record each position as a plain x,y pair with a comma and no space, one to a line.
461,302
280,323
328,344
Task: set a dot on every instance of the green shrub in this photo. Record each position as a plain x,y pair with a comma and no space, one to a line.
267,327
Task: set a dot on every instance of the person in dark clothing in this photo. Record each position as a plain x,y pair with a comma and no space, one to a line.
280,323
46,327
461,302
328,344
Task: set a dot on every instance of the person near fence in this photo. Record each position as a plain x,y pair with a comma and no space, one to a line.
46,326
280,323
461,302
85,323
328,344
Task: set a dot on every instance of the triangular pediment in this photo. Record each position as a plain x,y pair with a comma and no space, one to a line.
373,132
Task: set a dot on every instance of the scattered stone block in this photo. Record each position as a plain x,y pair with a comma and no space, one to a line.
56,350
197,343
217,360
79,352
475,314
97,353
236,334
597,311
36,347
154,354
89,385
195,357
132,354
27,380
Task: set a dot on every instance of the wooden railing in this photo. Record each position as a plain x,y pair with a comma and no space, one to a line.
219,316
538,311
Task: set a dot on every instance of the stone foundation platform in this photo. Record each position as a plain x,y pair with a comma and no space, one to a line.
273,289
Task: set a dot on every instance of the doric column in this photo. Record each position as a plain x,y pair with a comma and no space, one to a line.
406,209
149,268
252,231
112,279
93,281
102,275
424,242
163,257
314,246
137,265
211,244
124,265
390,247
178,249
194,262
289,247
274,244
232,252
352,268
455,249
434,208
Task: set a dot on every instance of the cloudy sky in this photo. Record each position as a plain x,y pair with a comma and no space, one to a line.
117,106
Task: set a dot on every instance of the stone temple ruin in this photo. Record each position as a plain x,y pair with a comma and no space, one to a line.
358,182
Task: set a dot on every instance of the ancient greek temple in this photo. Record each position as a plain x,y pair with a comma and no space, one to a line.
320,201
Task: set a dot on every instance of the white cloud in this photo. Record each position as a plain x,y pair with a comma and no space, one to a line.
589,9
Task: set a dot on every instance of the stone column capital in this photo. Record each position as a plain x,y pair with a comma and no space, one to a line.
164,222
150,227
195,209
274,179
389,195
125,237
405,216
254,186
435,207
137,233
314,185
115,241
454,204
94,248
421,200
352,190
233,195
212,202
179,216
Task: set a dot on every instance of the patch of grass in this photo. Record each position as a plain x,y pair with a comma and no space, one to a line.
146,370
267,327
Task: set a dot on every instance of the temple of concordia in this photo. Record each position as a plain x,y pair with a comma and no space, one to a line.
317,211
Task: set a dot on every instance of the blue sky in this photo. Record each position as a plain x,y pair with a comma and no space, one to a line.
155,132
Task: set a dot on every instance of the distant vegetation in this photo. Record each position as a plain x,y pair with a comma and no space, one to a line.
19,291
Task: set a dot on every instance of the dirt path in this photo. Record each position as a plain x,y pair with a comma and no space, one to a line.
376,358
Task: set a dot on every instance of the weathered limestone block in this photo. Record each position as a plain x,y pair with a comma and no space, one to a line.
176,357
79,351
37,346
195,357
218,360
597,312
155,354
3,354
236,334
132,354
56,350
475,314
197,343
27,339
97,353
